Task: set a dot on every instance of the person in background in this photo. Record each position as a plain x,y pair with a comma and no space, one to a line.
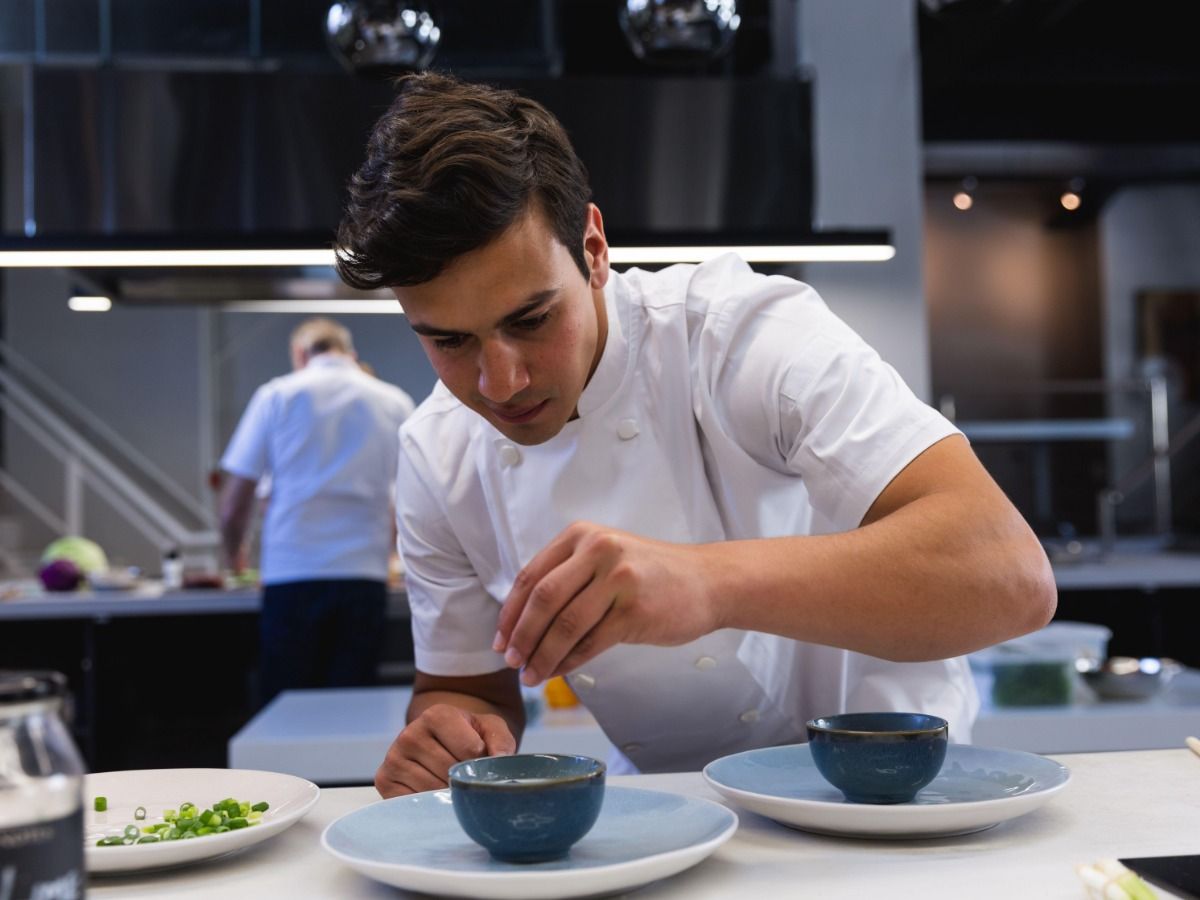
327,437
696,492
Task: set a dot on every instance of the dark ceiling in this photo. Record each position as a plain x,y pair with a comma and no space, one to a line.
1092,71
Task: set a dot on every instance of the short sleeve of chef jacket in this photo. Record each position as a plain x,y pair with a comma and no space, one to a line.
453,616
799,391
248,454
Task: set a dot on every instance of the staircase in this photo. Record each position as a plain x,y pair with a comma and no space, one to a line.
94,461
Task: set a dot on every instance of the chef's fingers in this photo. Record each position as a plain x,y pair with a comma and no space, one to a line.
608,633
496,735
399,776
545,561
550,598
574,623
409,766
422,754
454,736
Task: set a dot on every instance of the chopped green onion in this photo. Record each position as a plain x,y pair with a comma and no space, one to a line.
187,823
100,804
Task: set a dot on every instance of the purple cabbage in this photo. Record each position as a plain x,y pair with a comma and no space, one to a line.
60,575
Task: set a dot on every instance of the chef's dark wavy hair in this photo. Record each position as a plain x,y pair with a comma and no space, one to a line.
449,167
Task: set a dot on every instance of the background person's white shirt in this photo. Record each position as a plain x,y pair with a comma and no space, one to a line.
327,437
726,405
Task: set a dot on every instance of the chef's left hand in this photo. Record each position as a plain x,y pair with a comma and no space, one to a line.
593,587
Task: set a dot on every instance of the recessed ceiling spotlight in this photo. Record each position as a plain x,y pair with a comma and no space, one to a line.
1071,199
964,198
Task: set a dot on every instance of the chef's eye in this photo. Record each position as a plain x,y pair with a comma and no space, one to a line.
450,342
532,323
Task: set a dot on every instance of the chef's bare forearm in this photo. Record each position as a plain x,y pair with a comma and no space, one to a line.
932,573
497,694
237,506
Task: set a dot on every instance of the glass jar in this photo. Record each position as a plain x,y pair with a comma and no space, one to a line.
41,791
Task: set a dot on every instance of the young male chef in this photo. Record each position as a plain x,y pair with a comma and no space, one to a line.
695,492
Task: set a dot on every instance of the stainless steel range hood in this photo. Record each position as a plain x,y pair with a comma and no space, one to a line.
139,159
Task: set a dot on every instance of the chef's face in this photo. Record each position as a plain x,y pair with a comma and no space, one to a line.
513,329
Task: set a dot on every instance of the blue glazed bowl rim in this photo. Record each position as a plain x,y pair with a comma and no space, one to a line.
936,724
594,772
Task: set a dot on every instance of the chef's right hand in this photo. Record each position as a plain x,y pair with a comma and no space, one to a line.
421,755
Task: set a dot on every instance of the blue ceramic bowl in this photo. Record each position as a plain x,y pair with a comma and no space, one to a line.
527,808
883,757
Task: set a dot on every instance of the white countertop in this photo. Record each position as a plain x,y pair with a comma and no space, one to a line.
340,735
1117,805
1130,571
150,600
1090,724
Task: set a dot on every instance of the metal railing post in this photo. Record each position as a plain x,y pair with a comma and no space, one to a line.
1160,435
73,494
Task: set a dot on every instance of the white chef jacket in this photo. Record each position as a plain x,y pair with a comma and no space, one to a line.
726,405
328,437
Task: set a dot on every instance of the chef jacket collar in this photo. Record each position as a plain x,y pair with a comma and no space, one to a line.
614,359
322,360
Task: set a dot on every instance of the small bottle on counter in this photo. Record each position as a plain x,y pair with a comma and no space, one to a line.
172,570
41,791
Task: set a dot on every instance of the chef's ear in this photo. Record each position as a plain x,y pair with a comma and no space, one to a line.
595,248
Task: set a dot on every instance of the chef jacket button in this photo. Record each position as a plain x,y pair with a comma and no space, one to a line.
706,662
582,680
750,716
629,748
509,455
627,429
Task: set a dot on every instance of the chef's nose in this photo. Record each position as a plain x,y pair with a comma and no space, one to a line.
502,372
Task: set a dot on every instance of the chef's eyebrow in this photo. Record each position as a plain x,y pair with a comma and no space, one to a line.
534,301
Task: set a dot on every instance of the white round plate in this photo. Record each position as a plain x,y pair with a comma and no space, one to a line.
976,789
161,789
416,843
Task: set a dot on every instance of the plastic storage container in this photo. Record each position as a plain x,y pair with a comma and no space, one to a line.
1041,669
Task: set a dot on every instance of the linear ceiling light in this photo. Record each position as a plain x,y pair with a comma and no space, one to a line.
282,251
330,306
766,253
89,304
757,253
88,259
